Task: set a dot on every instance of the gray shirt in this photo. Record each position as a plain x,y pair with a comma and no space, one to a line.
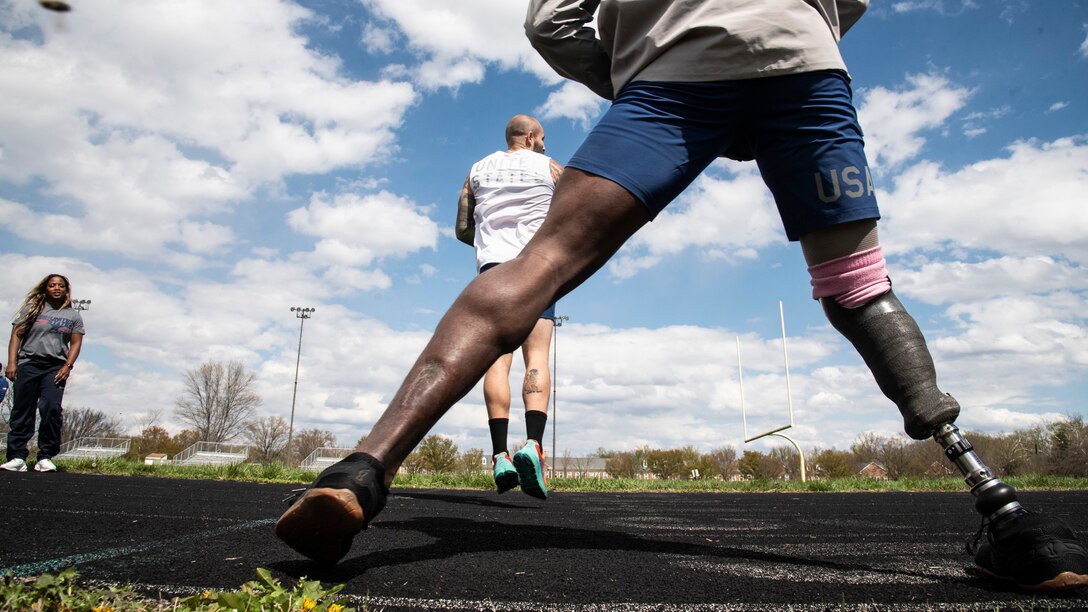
687,40
50,335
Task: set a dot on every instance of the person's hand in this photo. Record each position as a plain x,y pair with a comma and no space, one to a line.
62,374
10,372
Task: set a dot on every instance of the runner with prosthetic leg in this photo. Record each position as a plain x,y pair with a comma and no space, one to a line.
691,81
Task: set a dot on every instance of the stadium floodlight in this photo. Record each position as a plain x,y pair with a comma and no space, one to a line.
776,431
302,314
555,368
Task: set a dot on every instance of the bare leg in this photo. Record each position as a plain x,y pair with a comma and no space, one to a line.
497,388
538,380
589,220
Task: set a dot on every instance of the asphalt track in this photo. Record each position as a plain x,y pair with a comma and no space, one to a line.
473,550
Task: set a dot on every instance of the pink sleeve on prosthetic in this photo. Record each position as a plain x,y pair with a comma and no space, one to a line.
852,280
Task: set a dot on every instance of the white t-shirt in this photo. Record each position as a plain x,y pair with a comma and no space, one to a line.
513,192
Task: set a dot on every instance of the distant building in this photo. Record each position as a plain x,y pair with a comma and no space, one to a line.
155,459
874,470
579,467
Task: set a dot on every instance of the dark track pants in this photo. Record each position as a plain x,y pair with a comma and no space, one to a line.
35,391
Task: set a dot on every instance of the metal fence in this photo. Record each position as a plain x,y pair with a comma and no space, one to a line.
322,458
93,448
212,453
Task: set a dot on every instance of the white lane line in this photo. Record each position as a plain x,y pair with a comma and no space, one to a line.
36,511
39,567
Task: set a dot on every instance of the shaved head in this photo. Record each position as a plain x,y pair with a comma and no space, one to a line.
520,127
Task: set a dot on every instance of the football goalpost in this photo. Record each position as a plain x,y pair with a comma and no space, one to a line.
775,431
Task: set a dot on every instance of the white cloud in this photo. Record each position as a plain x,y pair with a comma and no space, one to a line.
357,230
1028,203
973,123
458,39
941,7
571,101
138,150
936,282
894,119
723,217
1057,106
378,39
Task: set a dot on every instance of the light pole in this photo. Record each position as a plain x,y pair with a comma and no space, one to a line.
555,374
81,304
302,314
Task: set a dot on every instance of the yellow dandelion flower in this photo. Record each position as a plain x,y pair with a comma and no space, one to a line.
335,608
308,604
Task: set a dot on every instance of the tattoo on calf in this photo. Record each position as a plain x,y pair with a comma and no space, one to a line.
532,384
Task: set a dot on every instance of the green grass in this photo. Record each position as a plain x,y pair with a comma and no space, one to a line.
62,592
278,473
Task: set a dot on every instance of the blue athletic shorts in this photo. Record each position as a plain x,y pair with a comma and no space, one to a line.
801,129
549,312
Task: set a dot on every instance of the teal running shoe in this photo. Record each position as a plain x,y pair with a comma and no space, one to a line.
506,477
530,466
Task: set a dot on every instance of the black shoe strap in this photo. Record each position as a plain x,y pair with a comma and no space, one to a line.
361,474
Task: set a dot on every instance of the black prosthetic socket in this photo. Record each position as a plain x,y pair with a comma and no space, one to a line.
993,498
889,341
364,476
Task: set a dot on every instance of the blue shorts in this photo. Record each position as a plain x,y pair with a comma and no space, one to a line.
549,312
801,129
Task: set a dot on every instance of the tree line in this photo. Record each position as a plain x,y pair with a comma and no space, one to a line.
218,404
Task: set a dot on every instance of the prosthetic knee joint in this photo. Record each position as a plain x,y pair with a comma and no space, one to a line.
993,498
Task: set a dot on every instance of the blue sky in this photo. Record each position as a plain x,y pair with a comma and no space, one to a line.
198,167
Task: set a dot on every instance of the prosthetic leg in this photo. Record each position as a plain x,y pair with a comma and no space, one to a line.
1033,551
891,344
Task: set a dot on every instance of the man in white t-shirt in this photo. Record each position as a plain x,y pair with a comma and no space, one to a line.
504,200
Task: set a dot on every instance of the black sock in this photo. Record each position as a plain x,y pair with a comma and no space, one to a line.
499,430
535,421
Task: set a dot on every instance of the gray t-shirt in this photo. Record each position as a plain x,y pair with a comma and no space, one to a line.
687,40
51,334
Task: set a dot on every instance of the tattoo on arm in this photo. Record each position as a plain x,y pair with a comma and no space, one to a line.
466,223
557,170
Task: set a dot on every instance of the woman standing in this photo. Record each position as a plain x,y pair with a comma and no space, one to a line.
46,337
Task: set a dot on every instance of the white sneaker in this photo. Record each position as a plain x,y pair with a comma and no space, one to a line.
15,465
44,465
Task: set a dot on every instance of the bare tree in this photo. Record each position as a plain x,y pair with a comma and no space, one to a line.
789,459
724,460
309,440
626,464
88,423
899,455
150,418
1069,446
268,437
218,400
